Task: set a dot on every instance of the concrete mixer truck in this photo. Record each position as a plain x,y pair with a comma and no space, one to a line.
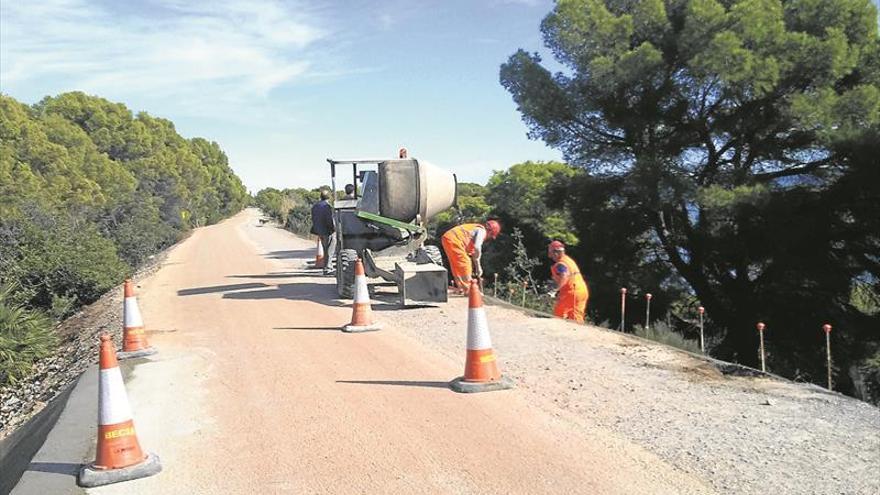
384,224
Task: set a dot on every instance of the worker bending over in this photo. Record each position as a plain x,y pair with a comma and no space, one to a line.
464,248
572,295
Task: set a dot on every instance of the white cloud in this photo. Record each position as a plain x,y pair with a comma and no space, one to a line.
163,48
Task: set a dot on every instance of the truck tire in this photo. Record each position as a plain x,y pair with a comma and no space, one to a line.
345,272
433,252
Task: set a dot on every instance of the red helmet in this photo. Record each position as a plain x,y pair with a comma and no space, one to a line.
555,246
493,228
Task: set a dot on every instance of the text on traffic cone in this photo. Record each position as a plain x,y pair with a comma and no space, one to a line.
118,445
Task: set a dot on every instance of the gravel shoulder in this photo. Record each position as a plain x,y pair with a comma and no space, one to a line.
741,434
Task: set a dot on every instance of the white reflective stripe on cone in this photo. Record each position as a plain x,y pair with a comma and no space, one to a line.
361,293
113,405
478,330
132,313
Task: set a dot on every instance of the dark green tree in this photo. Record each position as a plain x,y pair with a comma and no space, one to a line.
741,139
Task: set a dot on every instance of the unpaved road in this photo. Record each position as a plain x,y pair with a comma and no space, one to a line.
255,390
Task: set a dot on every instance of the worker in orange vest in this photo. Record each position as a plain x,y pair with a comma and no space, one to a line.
572,292
463,245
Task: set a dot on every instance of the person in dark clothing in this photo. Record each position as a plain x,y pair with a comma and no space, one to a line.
322,226
349,191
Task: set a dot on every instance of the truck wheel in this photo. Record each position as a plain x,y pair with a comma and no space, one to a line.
345,272
427,254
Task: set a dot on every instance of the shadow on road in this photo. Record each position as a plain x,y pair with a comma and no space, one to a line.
279,275
400,383
55,467
218,288
320,293
325,329
285,255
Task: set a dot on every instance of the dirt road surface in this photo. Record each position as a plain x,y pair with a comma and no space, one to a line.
255,390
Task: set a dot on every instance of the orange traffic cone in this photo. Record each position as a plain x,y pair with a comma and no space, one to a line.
361,312
319,256
481,369
119,456
134,334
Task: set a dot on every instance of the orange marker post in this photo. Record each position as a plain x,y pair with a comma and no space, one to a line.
827,329
702,310
761,328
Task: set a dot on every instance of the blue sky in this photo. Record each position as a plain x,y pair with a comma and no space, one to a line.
282,85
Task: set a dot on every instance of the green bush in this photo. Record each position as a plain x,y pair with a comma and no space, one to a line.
25,336
59,263
660,332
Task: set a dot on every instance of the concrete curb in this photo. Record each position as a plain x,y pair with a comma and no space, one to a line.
90,477
149,351
461,386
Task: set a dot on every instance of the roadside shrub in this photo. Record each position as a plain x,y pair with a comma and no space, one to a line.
661,332
60,262
25,336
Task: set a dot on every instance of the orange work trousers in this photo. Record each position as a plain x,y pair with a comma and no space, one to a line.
572,304
460,263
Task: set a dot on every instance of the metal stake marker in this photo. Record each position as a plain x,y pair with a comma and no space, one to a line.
761,328
525,285
702,341
622,307
495,286
827,328
648,297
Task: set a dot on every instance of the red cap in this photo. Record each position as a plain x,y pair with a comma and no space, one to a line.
761,326
648,296
402,153
555,246
623,290
493,228
827,328
701,310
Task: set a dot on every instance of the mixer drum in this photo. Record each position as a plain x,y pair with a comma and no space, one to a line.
410,187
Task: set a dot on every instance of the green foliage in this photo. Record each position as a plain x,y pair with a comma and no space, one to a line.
290,207
89,191
661,332
519,197
472,207
728,151
25,336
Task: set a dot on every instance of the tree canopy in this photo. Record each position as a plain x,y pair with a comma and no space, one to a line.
88,191
736,142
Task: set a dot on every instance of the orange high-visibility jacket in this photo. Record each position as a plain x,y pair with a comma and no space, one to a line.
463,236
576,282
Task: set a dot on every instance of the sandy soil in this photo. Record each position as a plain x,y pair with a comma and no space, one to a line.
256,391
